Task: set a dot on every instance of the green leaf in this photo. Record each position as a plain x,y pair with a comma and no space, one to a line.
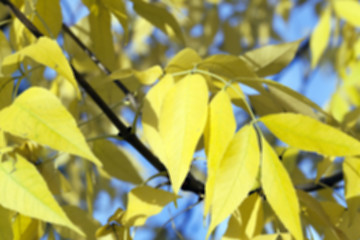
47,52
309,134
144,202
159,17
235,176
320,37
271,59
279,191
23,190
181,123
219,131
38,115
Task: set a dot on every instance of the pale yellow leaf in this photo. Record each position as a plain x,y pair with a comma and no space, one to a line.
117,162
279,191
219,131
159,17
150,75
39,116
309,134
25,191
236,175
271,59
47,52
184,60
6,232
48,18
351,168
151,113
181,123
320,37
144,202
348,10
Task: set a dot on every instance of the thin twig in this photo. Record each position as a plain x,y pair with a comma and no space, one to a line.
190,183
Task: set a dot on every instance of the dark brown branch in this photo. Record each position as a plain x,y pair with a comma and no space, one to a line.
190,184
323,183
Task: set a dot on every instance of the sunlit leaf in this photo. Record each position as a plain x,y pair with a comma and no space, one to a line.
181,123
144,202
38,115
271,59
320,37
21,181
25,228
117,162
150,75
153,103
183,60
47,52
236,175
311,135
279,191
348,10
218,133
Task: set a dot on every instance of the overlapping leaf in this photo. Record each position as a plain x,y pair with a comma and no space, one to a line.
271,59
48,17
24,190
181,123
236,175
38,115
348,10
309,134
218,133
144,202
47,52
279,191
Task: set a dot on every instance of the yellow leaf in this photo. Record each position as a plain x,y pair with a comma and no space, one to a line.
184,60
236,175
118,8
228,66
181,123
247,221
83,220
5,224
309,134
5,50
151,114
159,17
48,18
279,191
271,59
219,131
348,10
266,237
150,75
117,162
47,52
25,191
352,177
144,202
38,115
25,228
320,37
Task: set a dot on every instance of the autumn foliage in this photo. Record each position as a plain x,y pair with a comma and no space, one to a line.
129,87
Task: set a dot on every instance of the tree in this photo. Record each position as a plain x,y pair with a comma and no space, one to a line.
167,83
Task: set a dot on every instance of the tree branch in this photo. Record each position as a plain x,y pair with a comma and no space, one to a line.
190,183
324,182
